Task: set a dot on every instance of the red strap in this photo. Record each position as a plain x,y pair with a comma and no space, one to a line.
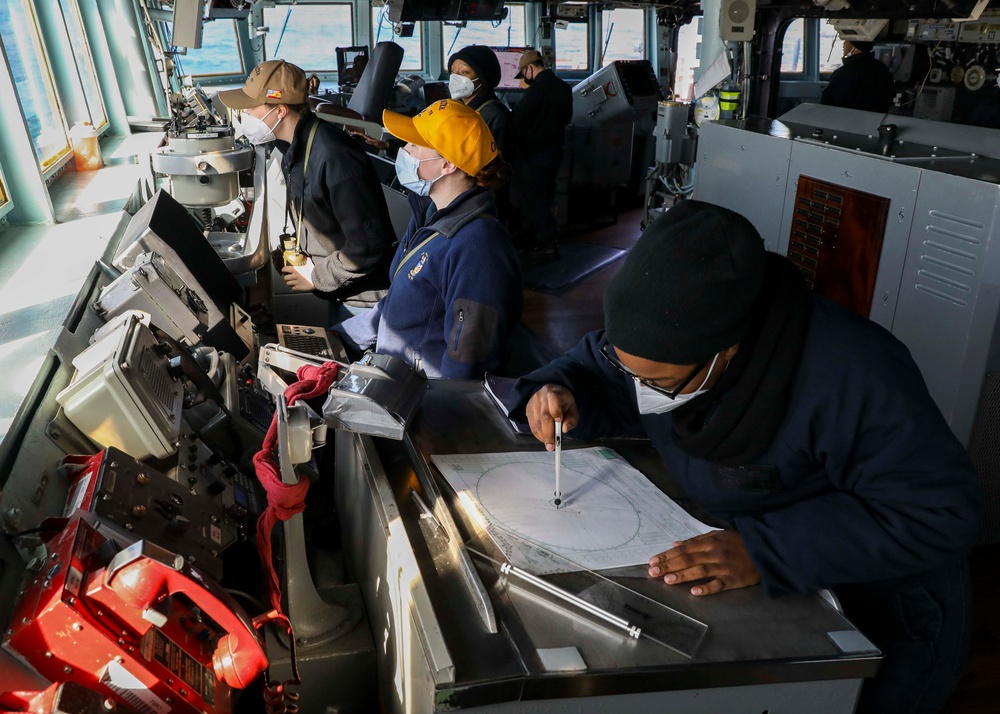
285,500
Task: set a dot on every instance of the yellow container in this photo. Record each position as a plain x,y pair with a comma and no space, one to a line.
86,147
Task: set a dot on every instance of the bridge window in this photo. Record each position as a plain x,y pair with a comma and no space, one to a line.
830,49
810,51
3,195
33,80
573,47
793,48
810,48
624,35
84,62
306,35
413,46
219,53
688,58
509,32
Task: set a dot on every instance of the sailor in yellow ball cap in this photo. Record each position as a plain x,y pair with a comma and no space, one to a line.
455,293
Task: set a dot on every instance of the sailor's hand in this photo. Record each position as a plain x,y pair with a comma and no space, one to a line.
548,405
299,278
377,143
720,556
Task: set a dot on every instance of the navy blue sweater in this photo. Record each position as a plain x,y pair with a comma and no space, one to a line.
455,300
872,484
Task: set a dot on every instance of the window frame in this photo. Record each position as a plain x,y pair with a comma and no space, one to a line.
326,72
38,42
644,33
418,29
697,27
88,59
821,75
811,47
445,54
215,76
807,47
6,200
569,73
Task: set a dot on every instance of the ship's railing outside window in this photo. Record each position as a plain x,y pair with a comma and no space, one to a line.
573,47
218,55
306,35
413,46
624,35
84,62
509,32
33,79
4,198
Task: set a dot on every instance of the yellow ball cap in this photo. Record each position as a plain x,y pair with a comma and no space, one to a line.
452,129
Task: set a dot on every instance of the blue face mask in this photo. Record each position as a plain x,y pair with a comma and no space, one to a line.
406,172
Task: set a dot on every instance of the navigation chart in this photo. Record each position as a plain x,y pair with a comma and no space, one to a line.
611,515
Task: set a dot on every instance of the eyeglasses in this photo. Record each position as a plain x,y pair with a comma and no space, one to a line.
670,393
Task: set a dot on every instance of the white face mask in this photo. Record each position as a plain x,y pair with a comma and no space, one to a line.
460,86
406,171
256,130
652,402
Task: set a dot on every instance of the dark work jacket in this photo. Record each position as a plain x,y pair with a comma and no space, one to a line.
864,482
498,118
454,300
347,228
987,112
541,116
863,82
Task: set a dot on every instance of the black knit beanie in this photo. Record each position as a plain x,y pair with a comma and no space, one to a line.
687,287
483,62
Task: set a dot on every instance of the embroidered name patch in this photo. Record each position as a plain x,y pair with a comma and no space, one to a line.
418,267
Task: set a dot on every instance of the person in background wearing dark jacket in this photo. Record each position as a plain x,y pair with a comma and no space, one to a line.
862,82
456,293
335,203
805,426
987,111
475,73
540,120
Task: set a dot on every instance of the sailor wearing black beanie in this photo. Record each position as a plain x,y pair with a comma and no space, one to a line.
805,426
483,62
475,72
687,288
